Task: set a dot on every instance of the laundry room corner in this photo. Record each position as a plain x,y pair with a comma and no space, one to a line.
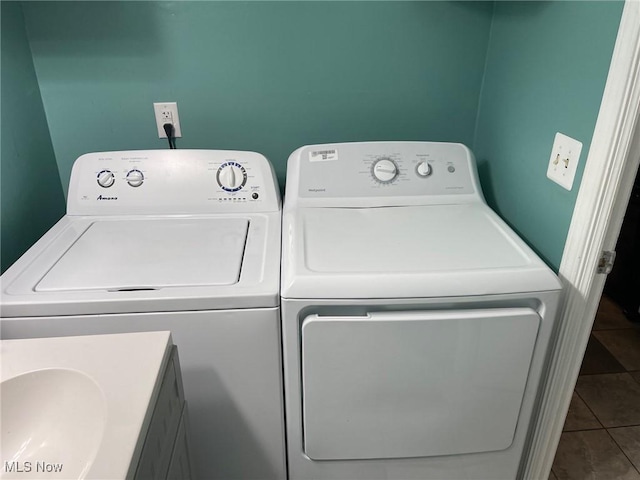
28,171
546,70
100,65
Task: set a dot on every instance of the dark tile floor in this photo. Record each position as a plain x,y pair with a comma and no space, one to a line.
601,435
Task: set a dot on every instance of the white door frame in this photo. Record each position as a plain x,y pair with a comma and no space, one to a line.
606,185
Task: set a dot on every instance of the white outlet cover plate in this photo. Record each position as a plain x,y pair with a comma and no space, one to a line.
563,162
161,110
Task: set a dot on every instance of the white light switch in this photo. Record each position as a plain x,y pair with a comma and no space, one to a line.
563,162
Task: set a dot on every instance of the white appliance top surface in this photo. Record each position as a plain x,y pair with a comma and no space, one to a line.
406,239
397,220
403,252
153,263
150,254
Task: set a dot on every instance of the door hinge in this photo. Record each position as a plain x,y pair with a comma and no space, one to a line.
605,264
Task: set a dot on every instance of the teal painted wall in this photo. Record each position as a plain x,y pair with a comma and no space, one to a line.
31,198
263,76
547,65
271,76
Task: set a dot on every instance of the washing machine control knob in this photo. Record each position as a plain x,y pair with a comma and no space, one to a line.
135,177
424,169
385,170
106,178
231,176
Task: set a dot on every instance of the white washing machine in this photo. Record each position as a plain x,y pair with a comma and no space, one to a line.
179,240
416,323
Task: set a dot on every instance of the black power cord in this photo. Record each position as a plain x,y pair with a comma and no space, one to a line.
168,129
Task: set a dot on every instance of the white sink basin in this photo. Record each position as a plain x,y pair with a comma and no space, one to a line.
75,407
49,414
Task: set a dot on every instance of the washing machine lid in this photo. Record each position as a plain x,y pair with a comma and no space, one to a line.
87,265
149,254
411,251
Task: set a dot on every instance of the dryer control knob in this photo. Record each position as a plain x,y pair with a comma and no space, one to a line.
135,177
106,178
385,170
231,176
424,169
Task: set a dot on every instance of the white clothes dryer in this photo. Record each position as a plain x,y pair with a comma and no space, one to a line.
179,240
416,323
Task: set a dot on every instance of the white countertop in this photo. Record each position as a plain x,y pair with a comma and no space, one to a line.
125,369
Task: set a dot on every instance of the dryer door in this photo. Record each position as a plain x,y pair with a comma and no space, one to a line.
414,384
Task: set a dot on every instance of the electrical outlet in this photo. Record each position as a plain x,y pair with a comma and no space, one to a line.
167,112
563,162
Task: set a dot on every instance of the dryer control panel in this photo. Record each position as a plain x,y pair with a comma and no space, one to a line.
383,173
172,181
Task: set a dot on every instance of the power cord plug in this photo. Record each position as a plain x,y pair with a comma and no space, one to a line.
168,129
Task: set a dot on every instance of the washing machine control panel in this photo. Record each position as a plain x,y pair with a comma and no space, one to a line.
172,181
231,176
425,170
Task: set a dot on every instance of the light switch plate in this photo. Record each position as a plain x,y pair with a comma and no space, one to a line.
563,162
